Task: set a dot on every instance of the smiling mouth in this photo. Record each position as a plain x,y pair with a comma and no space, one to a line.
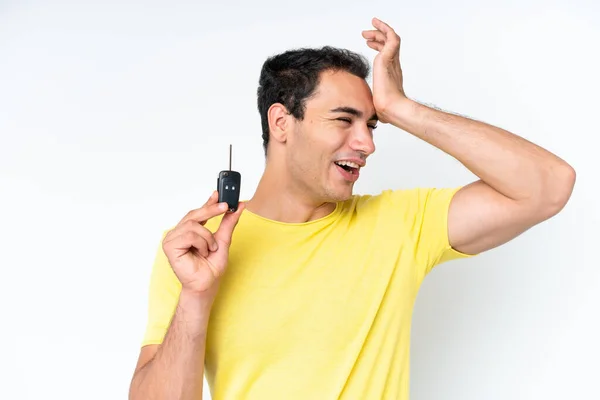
348,166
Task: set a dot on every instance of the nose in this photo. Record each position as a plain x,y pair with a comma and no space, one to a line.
362,141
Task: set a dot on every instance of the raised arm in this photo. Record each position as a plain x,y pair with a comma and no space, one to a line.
520,185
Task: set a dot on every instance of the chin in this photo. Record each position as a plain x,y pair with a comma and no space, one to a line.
340,193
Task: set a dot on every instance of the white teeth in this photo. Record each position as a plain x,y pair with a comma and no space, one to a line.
347,163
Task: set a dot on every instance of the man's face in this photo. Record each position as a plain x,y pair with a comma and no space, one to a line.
330,145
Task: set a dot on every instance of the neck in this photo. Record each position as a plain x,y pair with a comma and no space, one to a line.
278,198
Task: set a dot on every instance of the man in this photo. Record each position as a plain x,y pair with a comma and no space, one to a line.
311,297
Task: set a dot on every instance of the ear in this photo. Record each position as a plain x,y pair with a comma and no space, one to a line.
279,122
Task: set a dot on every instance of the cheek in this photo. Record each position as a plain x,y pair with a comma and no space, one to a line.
300,151
313,147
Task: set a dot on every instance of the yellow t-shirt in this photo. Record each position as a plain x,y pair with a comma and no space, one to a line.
318,310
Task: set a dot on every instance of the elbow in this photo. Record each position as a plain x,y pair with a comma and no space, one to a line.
559,187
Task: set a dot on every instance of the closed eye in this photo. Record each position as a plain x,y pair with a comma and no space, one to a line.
349,121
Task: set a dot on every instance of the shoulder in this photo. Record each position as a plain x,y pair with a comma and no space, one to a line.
412,210
404,201
416,217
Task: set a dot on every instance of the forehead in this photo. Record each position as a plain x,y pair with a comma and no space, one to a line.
341,89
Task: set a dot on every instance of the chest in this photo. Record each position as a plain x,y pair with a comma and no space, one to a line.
300,296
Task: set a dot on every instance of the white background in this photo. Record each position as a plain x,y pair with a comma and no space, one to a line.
116,117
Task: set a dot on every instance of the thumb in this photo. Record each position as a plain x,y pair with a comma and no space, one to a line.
228,224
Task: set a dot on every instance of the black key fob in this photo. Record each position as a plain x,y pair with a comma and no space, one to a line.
228,186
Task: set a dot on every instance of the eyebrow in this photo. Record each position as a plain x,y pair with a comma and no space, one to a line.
354,111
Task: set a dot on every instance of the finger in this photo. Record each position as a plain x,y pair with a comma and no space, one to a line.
374,35
211,200
392,40
203,214
214,196
383,27
193,226
185,242
197,217
228,224
375,45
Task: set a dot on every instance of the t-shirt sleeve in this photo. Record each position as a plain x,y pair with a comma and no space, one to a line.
424,214
162,298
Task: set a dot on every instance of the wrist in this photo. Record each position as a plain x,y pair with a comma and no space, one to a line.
402,112
398,112
194,305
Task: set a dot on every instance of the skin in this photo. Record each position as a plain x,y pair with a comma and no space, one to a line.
520,185
301,181
174,369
